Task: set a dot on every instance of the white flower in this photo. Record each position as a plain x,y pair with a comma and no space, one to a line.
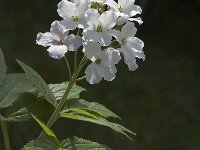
73,13
99,26
125,9
131,46
103,62
58,41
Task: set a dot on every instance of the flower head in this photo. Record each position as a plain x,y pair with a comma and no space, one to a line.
96,24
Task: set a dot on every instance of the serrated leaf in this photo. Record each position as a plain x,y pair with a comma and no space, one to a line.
76,143
3,67
27,103
40,84
20,115
43,143
13,87
44,127
91,106
99,120
59,89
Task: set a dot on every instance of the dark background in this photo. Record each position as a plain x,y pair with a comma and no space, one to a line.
160,101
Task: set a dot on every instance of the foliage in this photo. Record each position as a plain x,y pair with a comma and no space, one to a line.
23,96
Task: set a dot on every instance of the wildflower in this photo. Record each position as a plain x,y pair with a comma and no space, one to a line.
73,13
58,41
124,10
103,62
131,46
99,26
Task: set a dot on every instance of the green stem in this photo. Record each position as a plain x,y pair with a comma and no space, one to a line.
68,67
75,60
56,113
5,135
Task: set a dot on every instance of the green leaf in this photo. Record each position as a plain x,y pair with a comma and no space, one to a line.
13,87
99,120
27,103
76,143
40,84
43,143
3,67
59,89
45,128
82,111
91,106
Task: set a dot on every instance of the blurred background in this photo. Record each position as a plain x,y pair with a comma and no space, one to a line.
160,101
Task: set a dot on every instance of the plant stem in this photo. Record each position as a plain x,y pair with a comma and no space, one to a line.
5,135
68,67
75,60
56,113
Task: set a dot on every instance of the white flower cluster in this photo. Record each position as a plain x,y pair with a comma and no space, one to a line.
107,34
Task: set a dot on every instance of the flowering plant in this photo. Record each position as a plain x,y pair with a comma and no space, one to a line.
103,32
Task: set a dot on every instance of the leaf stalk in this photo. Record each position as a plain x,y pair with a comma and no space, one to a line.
5,135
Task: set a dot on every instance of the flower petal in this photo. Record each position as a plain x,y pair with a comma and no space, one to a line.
75,42
66,9
138,20
116,34
135,10
92,16
57,51
112,4
128,30
82,6
136,45
125,3
122,19
110,57
45,39
108,73
69,24
92,50
129,58
98,1
91,74
57,31
107,19
104,38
